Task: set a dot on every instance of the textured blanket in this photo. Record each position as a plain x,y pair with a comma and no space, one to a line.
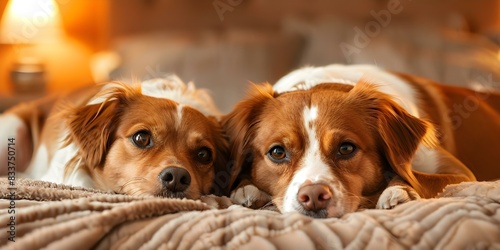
38,214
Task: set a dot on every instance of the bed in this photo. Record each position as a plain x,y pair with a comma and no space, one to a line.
53,216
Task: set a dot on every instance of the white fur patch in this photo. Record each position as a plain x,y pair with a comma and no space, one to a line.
79,177
308,77
58,164
310,115
9,126
173,88
312,160
426,160
179,114
39,164
57,167
312,166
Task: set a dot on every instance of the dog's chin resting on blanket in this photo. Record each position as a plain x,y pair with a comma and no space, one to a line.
157,138
331,140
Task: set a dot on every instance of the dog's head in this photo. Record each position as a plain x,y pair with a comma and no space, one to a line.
325,151
133,143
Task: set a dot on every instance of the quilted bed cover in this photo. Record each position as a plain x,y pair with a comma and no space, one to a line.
46,215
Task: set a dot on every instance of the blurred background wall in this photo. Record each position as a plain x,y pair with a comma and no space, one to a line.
223,45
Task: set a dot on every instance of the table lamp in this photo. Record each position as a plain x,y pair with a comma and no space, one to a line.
26,24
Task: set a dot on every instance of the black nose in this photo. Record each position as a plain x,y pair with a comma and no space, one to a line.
175,179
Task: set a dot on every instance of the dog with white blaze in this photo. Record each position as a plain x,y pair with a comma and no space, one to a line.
326,141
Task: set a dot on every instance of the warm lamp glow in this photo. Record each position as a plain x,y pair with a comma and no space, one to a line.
31,21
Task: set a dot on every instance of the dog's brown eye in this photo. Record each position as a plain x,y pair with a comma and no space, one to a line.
277,154
346,148
204,155
142,139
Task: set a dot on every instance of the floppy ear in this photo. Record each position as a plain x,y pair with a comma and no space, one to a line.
239,126
92,126
400,132
90,129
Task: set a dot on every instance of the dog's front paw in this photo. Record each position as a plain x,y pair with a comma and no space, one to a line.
395,195
216,202
250,196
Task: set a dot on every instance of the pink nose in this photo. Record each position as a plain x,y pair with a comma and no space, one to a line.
314,197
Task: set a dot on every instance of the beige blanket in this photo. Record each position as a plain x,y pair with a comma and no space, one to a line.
466,216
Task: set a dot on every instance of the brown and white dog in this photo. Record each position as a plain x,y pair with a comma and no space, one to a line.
160,138
326,141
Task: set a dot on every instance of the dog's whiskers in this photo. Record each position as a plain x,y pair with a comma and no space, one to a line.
362,200
139,192
130,186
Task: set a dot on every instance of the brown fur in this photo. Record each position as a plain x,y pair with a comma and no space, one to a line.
468,123
387,137
102,134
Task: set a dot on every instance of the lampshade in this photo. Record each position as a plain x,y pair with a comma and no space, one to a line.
31,22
